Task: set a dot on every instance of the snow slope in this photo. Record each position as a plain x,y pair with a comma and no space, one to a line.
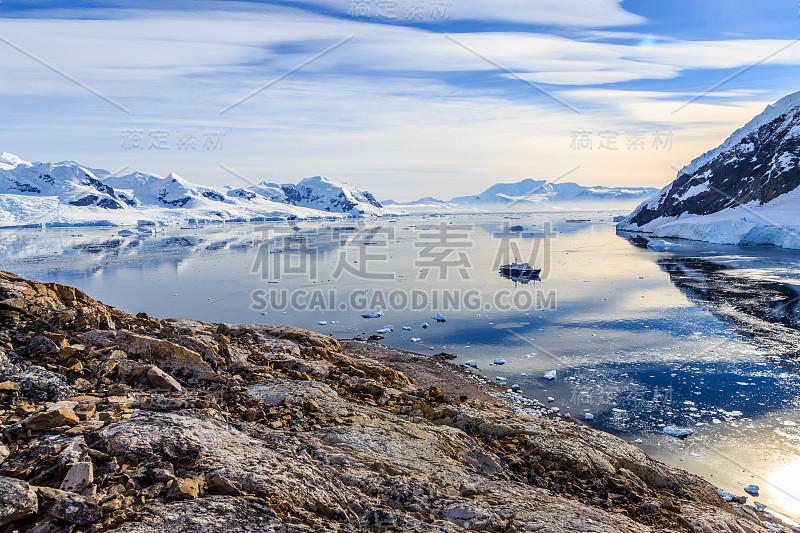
69,194
743,192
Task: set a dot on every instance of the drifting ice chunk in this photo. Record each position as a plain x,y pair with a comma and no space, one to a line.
759,506
424,325
727,496
406,328
524,374
680,433
550,375
473,364
439,317
385,329
550,399
588,416
698,456
372,315
638,441
499,378
499,361
322,323
415,339
752,490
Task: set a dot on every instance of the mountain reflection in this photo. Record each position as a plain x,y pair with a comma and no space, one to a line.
761,309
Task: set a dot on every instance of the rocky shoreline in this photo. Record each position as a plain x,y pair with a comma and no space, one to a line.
116,422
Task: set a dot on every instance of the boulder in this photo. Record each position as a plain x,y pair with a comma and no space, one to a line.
79,476
161,380
182,489
60,414
17,500
41,345
68,506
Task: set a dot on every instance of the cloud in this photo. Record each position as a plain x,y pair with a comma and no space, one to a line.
562,13
400,110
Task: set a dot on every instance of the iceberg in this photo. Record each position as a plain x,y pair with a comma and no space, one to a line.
372,315
439,317
677,432
550,375
499,361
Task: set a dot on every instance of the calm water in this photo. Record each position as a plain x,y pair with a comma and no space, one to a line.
698,336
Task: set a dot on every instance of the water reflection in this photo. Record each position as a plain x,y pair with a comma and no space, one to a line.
760,309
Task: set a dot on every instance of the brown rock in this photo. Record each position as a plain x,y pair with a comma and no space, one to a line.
79,476
58,338
14,303
161,380
9,386
60,414
183,489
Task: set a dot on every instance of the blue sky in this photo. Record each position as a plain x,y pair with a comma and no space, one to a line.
406,98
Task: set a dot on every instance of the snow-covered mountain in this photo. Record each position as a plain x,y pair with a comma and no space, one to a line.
68,193
531,194
743,192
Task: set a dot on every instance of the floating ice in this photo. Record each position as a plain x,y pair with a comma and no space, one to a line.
439,317
472,363
524,374
727,496
588,416
385,329
638,441
406,328
515,387
499,361
550,399
752,490
759,506
424,325
696,455
322,323
677,432
372,315
550,375
415,339
528,356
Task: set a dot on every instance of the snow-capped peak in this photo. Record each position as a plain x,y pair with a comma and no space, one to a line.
788,105
8,161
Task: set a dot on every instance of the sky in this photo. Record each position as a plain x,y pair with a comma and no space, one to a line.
404,98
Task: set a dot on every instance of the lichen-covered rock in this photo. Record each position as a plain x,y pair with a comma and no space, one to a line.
79,476
17,500
215,514
68,506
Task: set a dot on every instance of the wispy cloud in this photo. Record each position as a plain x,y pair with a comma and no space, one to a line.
397,103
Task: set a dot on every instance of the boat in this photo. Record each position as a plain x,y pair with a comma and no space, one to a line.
522,270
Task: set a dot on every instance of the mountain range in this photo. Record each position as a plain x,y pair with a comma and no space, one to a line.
530,194
745,191
70,194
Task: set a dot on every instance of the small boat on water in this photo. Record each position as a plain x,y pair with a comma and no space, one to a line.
522,270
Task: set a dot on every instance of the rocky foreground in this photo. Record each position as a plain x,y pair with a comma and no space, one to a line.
132,424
